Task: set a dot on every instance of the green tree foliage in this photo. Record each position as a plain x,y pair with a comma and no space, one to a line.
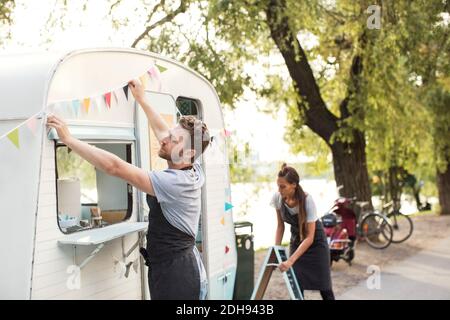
6,9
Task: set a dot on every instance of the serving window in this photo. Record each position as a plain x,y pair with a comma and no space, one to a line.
87,197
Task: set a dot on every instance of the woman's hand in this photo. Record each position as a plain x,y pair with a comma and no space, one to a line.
285,265
61,128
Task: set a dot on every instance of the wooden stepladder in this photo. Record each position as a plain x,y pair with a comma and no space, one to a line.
275,256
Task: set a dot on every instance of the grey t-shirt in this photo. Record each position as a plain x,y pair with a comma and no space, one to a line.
310,206
179,195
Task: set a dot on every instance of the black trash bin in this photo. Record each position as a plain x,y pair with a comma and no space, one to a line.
243,287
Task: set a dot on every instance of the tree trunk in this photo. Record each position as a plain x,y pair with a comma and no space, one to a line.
396,177
349,159
350,169
443,184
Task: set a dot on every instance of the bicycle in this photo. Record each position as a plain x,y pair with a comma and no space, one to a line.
402,224
374,227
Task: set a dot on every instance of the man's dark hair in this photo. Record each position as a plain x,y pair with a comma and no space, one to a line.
199,134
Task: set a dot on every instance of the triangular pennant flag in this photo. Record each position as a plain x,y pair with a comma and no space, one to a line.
108,99
76,107
32,124
155,76
144,80
152,72
116,98
13,136
226,133
98,102
222,221
86,104
228,206
227,249
161,68
125,89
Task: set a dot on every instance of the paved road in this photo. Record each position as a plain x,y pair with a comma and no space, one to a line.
425,275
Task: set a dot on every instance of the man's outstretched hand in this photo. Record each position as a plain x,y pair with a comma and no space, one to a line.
60,126
137,90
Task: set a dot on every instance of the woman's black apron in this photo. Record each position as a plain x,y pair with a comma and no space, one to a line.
313,267
173,270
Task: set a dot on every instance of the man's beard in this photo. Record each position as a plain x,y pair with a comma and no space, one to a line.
164,155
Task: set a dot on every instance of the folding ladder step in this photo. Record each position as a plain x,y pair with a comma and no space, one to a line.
274,257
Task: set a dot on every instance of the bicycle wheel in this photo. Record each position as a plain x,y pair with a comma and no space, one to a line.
377,231
402,226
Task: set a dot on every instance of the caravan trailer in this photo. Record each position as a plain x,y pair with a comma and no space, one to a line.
67,230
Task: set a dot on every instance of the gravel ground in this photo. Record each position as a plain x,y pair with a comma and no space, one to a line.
428,230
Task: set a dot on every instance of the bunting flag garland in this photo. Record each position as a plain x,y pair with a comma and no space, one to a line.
161,68
227,133
99,102
125,89
228,206
144,80
154,75
86,104
222,221
227,249
32,125
75,106
13,136
108,99
116,98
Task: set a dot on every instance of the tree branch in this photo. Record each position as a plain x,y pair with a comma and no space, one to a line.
353,87
317,115
170,16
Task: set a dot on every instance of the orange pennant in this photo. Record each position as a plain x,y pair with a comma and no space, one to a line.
86,104
144,80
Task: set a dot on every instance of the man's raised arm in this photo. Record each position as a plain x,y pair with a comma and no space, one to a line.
159,126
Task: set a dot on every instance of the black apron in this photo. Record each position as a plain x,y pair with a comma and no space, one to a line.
173,272
312,269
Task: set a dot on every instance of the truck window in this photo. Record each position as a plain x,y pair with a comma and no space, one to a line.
188,107
89,198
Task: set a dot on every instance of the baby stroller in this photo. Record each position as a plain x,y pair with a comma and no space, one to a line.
340,228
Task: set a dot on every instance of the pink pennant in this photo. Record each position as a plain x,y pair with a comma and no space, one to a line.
108,99
226,133
155,76
153,72
227,249
32,124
